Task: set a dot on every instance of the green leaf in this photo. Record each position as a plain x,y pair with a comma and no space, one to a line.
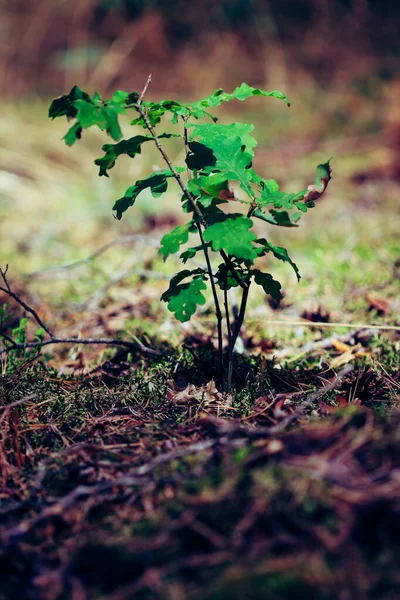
199,157
19,332
132,98
103,114
241,93
324,175
268,283
157,183
274,217
279,253
302,201
207,132
232,149
73,134
171,242
188,254
191,252
131,147
230,232
210,189
183,298
119,98
40,334
156,110
304,207
64,105
90,111
112,127
198,110
226,280
270,195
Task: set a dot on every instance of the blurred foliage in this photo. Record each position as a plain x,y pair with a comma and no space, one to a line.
47,45
290,16
183,24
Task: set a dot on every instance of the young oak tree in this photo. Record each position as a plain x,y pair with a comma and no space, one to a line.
216,155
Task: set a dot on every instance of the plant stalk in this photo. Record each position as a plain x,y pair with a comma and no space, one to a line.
216,304
228,379
198,224
242,312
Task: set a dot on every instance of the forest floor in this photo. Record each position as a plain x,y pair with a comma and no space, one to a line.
126,474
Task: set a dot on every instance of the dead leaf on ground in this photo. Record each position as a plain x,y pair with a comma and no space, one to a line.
381,305
348,356
341,346
318,315
206,395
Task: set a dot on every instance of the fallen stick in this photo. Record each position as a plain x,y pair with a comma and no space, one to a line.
58,340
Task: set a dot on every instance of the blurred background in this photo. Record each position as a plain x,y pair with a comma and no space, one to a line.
49,45
338,61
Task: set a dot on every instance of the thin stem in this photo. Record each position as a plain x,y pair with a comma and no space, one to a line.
7,290
234,306
186,142
174,172
232,269
84,341
148,82
230,347
242,311
8,339
193,202
216,303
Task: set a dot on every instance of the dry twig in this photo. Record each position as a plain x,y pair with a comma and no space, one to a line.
59,340
7,290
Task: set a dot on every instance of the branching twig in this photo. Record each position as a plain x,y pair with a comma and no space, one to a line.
142,95
196,209
84,341
8,339
58,340
310,399
4,276
230,345
7,290
240,318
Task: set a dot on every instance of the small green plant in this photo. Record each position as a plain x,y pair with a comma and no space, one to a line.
18,341
216,155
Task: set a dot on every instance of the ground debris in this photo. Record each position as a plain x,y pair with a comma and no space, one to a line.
135,501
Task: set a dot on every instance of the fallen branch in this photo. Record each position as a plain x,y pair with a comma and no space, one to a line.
84,341
8,339
59,340
7,290
310,399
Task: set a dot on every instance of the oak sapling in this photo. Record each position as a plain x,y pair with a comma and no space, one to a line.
215,155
